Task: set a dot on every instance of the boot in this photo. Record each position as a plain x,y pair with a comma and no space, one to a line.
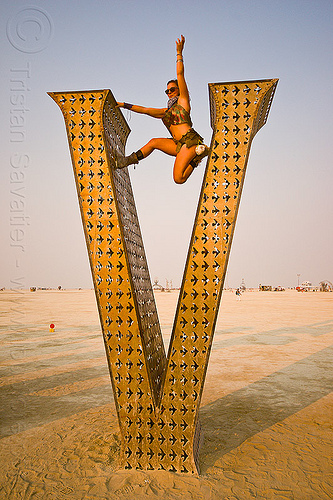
201,150
124,161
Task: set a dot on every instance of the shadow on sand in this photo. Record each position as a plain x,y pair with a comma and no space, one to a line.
229,421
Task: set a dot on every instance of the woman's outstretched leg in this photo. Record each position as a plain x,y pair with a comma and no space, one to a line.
168,146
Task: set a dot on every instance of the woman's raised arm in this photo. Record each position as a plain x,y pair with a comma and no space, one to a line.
184,98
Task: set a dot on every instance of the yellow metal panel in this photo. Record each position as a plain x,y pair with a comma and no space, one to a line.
157,399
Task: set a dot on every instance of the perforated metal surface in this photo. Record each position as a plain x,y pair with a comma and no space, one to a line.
157,399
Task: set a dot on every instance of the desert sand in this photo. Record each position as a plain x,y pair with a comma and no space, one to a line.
266,410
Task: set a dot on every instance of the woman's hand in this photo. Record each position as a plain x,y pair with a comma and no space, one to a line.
180,42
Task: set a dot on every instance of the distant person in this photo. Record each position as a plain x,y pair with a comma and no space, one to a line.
238,294
186,144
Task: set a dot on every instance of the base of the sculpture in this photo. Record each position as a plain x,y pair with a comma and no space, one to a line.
165,456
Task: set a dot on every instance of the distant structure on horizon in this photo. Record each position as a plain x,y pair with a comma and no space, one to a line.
242,286
326,286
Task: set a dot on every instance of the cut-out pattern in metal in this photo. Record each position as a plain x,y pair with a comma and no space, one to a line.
158,397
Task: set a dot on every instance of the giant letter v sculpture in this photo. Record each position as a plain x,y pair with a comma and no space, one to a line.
158,397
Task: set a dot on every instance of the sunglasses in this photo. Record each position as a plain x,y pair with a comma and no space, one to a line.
171,89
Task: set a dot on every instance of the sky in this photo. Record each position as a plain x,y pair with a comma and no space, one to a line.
283,233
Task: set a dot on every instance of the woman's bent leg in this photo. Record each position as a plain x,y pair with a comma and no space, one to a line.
182,168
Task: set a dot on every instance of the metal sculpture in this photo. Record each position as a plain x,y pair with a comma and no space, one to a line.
157,397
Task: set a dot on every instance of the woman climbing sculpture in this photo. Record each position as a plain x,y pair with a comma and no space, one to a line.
186,144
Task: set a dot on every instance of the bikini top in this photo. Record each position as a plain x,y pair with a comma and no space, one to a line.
176,115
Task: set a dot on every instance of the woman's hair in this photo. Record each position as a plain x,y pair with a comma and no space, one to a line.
173,81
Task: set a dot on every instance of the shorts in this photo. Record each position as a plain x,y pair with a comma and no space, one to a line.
191,138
